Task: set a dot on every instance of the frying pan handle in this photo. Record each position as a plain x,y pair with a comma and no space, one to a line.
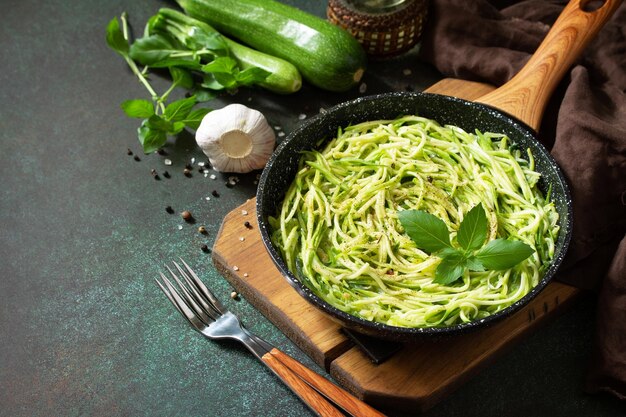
525,96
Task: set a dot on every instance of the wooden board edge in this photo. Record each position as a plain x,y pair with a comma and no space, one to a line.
382,400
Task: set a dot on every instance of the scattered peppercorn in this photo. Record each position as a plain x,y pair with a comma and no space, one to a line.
248,225
166,174
229,185
169,209
205,248
187,172
154,174
188,166
161,151
202,230
137,158
187,216
215,193
129,152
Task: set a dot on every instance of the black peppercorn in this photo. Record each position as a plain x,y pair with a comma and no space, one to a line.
215,193
248,225
169,209
166,174
186,215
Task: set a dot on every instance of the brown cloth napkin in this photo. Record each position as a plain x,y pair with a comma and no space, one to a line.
585,129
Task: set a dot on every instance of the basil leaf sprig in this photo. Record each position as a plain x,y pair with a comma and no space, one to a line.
184,49
430,233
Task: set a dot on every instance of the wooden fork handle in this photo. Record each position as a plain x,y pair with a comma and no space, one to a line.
310,386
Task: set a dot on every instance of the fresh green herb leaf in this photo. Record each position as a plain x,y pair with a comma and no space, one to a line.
157,122
194,118
151,139
473,229
138,108
177,127
115,38
223,64
427,231
503,254
251,76
179,109
450,268
181,78
473,264
152,49
203,95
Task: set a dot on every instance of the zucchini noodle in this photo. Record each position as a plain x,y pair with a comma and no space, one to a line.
338,229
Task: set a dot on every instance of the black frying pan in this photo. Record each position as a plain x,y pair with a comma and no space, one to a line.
514,109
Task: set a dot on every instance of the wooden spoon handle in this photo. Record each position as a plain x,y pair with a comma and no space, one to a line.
314,389
525,96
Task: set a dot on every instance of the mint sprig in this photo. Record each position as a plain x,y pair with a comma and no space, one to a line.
430,233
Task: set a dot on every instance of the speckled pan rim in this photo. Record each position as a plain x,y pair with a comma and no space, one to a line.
385,331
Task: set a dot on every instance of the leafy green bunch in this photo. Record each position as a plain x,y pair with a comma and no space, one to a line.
197,60
430,233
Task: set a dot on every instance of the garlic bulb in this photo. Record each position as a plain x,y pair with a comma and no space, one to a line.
236,139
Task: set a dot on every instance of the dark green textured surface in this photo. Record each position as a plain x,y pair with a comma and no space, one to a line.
83,233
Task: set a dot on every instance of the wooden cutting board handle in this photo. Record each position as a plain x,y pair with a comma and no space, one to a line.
526,95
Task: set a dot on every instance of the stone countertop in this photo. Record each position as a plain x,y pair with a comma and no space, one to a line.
84,231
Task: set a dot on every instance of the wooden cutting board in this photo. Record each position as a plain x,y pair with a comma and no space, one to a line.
418,375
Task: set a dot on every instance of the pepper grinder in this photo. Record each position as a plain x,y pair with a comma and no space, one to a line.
385,28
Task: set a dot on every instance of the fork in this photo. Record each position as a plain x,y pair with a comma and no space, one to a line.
207,315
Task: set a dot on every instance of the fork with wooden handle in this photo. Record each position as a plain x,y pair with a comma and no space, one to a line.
207,315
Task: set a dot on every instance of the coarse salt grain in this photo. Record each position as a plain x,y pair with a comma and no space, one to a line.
362,88
180,227
244,212
281,134
167,162
302,116
242,238
245,275
212,176
235,268
201,164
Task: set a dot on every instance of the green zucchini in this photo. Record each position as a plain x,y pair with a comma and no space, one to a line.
284,77
326,55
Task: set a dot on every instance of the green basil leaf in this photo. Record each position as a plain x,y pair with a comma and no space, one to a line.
473,264
188,63
179,109
181,77
138,108
473,230
503,254
251,76
151,139
115,38
427,231
450,268
202,96
209,82
152,49
177,127
156,122
226,80
221,65
194,118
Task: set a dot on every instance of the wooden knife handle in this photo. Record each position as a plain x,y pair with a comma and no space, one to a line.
314,389
525,96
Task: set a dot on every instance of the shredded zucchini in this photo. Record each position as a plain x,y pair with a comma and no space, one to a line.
338,229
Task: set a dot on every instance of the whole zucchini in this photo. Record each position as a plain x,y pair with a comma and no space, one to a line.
284,77
326,55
